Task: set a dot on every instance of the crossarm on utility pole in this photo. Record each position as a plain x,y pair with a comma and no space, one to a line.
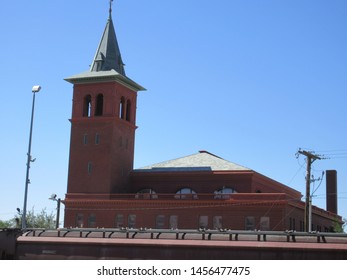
310,159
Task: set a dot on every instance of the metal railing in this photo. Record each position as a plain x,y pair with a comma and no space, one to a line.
204,234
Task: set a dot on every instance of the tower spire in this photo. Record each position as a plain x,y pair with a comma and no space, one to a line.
108,55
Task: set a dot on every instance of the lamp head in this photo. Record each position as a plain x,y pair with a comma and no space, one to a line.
36,89
53,196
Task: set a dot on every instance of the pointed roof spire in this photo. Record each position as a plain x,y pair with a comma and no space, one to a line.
110,10
108,55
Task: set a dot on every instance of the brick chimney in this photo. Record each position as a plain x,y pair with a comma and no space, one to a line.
331,185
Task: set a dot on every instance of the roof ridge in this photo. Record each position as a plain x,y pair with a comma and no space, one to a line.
207,152
197,160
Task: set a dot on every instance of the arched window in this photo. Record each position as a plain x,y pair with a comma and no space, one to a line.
122,108
87,104
186,193
146,194
224,193
128,111
99,105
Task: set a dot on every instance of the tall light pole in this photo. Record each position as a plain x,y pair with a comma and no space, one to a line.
34,90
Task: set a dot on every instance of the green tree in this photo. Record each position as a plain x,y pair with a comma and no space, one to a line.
6,224
40,220
338,227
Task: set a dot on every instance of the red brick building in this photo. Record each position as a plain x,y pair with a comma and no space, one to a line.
200,190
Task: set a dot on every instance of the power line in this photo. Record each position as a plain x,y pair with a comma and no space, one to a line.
333,151
296,173
334,154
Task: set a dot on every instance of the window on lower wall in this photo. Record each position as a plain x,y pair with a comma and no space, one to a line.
203,222
119,222
160,222
250,223
92,221
217,222
173,222
265,223
79,220
132,221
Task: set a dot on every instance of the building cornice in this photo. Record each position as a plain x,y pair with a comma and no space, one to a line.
89,77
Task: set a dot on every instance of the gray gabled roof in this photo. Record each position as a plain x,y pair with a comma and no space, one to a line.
202,161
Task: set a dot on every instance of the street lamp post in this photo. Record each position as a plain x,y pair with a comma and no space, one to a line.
54,198
35,89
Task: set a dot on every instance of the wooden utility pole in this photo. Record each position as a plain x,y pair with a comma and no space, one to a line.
310,159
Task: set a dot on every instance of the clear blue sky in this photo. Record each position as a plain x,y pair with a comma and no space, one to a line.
248,80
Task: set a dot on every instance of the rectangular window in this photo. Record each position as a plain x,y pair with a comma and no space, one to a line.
119,221
90,167
132,221
97,139
203,222
217,222
79,220
249,223
85,139
265,223
92,221
173,222
160,222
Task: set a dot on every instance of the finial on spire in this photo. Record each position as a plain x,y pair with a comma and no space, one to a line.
110,10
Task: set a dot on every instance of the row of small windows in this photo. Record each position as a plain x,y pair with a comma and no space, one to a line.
301,227
96,139
161,222
123,142
186,193
172,222
124,107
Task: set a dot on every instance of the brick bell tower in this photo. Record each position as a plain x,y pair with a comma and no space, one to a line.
102,125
